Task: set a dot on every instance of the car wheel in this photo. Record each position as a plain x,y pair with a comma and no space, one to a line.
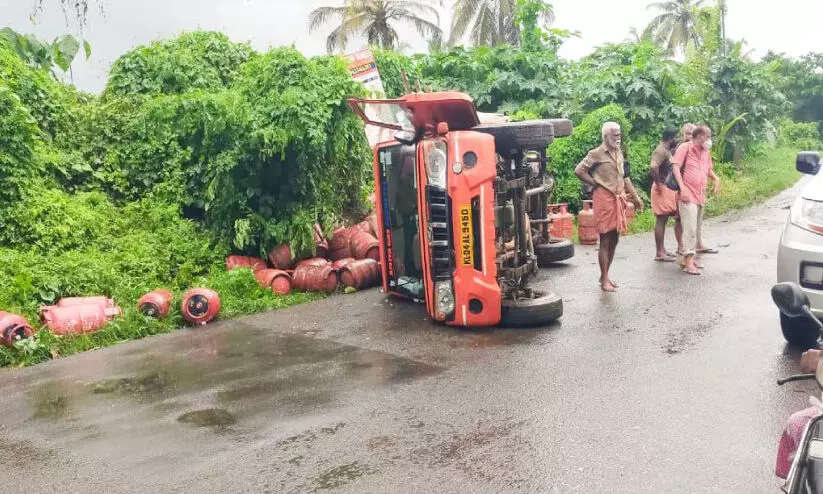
799,331
557,250
542,310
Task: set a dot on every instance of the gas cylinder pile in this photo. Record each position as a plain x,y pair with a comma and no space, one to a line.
349,259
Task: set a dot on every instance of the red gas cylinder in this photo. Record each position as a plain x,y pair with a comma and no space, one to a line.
279,281
253,263
315,279
342,263
587,225
78,319
13,328
155,304
365,226
321,245
103,302
315,261
630,213
200,305
281,257
365,246
360,274
555,227
340,244
372,219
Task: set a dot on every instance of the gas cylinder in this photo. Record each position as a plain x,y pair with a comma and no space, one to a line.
103,302
200,305
365,226
279,281
253,263
315,261
555,228
360,274
365,246
566,221
13,328
78,319
342,263
315,279
340,244
321,245
155,304
587,225
281,257
630,213
372,219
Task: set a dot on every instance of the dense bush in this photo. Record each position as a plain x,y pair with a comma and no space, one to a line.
800,135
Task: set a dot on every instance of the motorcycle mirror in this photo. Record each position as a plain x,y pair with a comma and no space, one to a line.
790,299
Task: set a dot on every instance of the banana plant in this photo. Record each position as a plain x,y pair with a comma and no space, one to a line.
60,53
722,136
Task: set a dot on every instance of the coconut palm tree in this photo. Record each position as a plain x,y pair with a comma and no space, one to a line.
376,21
675,26
489,22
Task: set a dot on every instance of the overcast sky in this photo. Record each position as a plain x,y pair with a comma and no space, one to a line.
791,26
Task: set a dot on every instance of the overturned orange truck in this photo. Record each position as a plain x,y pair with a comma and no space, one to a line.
463,209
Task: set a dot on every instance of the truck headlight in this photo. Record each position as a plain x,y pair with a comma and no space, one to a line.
444,299
437,163
808,215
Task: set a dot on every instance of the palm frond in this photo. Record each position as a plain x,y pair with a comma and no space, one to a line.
422,26
320,16
464,18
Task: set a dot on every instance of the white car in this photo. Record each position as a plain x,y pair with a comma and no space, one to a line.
800,256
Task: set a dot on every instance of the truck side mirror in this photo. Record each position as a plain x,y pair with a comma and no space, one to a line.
808,162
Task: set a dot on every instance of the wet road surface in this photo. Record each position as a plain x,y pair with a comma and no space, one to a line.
666,387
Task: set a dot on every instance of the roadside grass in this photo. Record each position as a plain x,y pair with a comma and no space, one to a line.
240,295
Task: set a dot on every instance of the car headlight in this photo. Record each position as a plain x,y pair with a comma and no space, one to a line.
808,215
444,299
437,163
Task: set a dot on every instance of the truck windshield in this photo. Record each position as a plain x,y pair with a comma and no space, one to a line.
398,172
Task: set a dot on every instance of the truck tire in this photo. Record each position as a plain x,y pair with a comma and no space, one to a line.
799,332
562,127
535,135
557,250
540,311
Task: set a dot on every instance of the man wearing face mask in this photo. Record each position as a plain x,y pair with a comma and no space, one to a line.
604,168
692,166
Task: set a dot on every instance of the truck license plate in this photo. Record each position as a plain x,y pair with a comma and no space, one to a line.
466,237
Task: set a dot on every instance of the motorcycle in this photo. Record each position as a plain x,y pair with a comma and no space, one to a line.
800,453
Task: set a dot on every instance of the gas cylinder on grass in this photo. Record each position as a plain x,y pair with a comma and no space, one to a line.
281,257
155,304
78,319
101,301
253,263
365,246
360,274
315,279
279,281
200,305
340,244
587,225
13,328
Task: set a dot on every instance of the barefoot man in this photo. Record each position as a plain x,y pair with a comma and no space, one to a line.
664,197
604,169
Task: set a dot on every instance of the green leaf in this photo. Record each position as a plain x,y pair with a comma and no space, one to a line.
87,48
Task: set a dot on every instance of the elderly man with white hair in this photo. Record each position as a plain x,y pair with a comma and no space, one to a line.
606,169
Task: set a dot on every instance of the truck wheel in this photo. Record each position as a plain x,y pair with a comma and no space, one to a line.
542,310
533,135
557,250
799,331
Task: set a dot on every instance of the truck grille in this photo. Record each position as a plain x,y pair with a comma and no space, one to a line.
440,241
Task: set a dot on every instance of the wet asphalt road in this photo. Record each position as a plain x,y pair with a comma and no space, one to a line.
666,387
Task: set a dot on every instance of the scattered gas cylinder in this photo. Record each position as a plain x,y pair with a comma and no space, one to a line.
365,246
13,328
253,263
315,261
321,245
365,226
200,305
78,319
155,304
372,219
281,257
360,274
103,302
562,225
630,213
587,225
340,244
342,263
279,281
315,279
